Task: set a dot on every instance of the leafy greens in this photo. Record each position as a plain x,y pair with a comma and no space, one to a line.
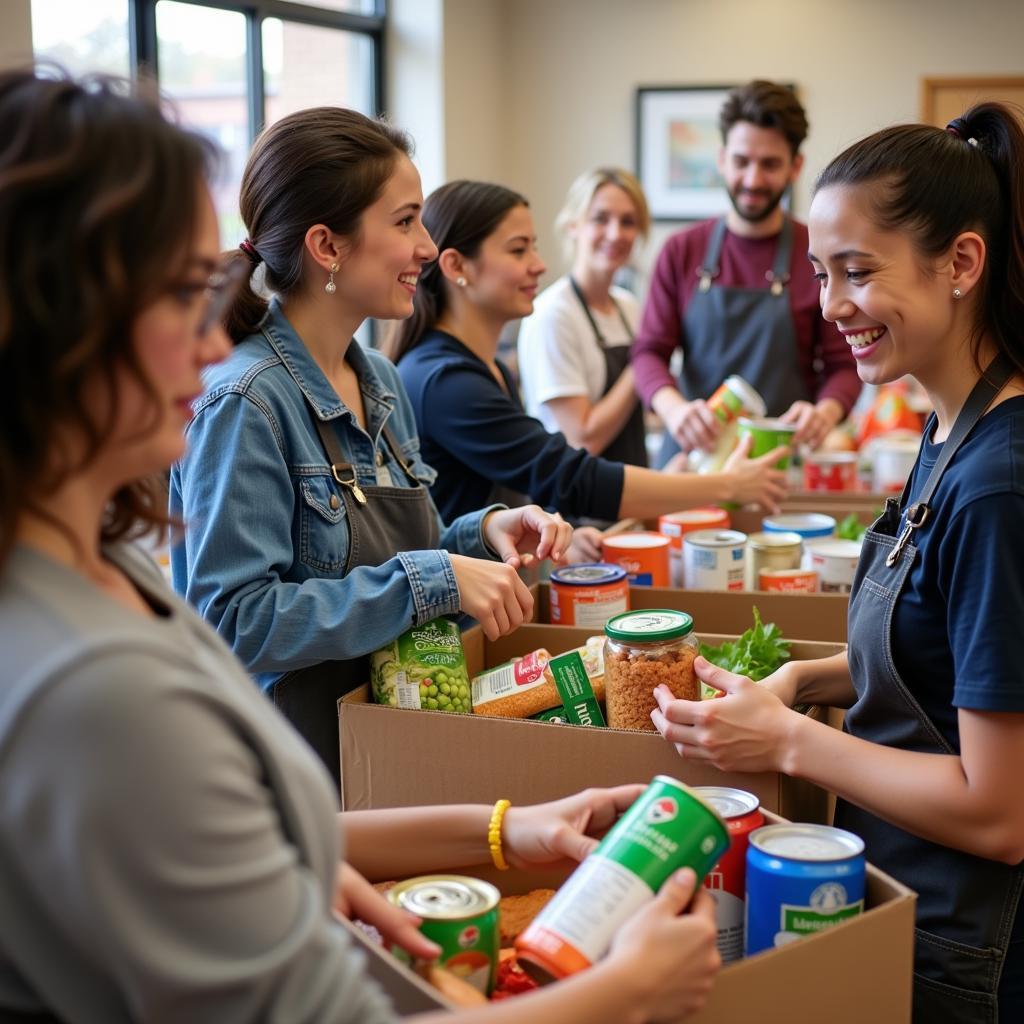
756,654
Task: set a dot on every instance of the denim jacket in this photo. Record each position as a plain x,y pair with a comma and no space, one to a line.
264,551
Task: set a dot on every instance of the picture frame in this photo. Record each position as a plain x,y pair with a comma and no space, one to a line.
677,144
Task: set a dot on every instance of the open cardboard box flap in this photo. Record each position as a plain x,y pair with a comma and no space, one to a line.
858,972
395,758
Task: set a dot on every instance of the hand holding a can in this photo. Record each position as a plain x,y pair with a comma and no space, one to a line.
813,422
747,730
671,957
356,899
566,830
757,481
693,425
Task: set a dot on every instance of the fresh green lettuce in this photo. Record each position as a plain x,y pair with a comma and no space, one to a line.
756,654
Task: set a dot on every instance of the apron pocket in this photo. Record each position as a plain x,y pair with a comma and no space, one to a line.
954,983
323,529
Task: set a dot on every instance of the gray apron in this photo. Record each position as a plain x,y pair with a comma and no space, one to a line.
628,445
381,522
966,905
747,331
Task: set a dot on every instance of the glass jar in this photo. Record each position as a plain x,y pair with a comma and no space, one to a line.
642,650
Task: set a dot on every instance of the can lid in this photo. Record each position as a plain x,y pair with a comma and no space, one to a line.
688,517
590,574
445,897
649,624
762,423
834,547
807,842
637,539
774,539
751,400
715,538
728,801
807,524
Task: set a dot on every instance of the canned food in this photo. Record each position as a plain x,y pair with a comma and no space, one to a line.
713,560
770,550
788,581
768,434
734,398
644,556
644,649
741,812
666,829
830,471
893,460
835,562
675,526
588,595
460,914
807,524
801,879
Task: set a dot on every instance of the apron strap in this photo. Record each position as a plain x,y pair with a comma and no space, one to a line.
590,316
709,269
995,375
778,276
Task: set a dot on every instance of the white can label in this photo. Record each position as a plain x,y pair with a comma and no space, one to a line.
591,907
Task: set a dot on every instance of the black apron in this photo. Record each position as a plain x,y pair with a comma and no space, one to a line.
966,905
747,331
629,444
381,522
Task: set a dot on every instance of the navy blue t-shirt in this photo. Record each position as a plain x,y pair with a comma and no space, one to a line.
959,617
476,434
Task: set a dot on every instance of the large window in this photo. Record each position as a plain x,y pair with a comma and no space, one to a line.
229,66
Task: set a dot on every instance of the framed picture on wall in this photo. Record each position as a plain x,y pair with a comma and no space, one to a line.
677,144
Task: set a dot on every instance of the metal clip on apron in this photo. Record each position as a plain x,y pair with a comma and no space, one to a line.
629,444
748,331
381,522
966,904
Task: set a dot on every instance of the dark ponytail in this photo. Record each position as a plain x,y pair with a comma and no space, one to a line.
936,184
459,216
325,166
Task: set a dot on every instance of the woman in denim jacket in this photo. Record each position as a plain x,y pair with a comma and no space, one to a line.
311,538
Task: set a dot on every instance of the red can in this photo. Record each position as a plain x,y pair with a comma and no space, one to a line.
830,471
727,880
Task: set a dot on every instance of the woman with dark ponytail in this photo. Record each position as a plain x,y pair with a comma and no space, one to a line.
472,425
917,238
310,537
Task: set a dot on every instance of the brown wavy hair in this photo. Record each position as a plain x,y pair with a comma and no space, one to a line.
324,165
99,199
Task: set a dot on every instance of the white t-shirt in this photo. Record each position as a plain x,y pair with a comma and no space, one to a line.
559,357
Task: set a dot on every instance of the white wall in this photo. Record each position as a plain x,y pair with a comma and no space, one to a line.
570,68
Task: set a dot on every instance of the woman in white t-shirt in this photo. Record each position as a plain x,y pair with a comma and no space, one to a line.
574,347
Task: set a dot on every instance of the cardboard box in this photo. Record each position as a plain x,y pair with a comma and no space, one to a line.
858,971
395,758
799,616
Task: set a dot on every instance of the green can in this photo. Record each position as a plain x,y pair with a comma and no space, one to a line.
460,914
767,434
669,827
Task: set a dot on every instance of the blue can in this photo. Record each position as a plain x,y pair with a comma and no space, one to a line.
807,524
801,879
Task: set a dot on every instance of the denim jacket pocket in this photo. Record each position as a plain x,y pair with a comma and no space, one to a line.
323,526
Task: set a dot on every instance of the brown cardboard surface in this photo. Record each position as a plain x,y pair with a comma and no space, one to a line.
394,758
857,972
803,616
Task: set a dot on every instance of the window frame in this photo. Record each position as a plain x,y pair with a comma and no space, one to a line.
143,41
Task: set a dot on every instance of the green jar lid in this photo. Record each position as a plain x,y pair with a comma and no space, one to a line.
649,625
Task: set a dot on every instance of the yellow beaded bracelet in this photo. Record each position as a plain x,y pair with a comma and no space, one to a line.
494,834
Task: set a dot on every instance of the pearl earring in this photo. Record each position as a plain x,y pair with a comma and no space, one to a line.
331,287
957,293
461,282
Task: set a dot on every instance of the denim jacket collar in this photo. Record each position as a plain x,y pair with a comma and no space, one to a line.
310,378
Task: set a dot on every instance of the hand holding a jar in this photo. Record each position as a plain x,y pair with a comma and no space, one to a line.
746,730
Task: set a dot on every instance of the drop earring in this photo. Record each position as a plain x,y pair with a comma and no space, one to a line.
957,293
331,287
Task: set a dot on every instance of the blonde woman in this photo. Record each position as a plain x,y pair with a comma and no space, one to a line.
574,349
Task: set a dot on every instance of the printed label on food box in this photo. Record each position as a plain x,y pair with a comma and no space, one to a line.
570,675
513,677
